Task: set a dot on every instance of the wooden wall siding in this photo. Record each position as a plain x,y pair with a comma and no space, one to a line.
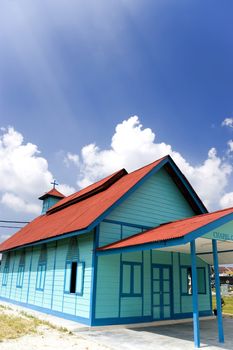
62,246
5,290
160,257
147,283
131,307
110,304
53,296
176,283
108,286
203,299
85,251
157,200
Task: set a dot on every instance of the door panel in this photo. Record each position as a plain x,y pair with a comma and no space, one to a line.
161,292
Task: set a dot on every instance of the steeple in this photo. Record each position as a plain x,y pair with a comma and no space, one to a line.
50,198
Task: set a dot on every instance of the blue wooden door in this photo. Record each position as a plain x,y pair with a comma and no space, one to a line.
161,292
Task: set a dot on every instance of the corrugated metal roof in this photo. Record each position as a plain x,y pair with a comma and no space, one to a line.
88,191
172,230
78,215
53,192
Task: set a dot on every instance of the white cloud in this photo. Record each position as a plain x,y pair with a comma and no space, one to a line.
228,122
24,173
227,200
230,146
133,146
71,158
18,204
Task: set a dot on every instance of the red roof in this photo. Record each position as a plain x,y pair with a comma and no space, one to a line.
89,190
54,193
172,230
77,216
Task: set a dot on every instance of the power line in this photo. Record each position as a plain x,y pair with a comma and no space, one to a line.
14,222
11,226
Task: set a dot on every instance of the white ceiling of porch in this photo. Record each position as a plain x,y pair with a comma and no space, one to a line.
205,245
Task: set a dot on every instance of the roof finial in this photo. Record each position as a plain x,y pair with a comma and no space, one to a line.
54,183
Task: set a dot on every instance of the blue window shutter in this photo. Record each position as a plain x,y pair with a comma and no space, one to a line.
67,277
80,278
126,279
137,279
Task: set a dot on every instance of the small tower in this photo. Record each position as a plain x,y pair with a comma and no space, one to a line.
50,198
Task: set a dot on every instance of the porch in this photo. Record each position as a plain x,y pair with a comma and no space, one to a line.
208,236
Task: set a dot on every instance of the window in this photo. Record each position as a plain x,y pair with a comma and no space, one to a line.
5,275
201,280
19,282
131,279
20,275
6,270
186,280
40,281
74,277
74,270
41,270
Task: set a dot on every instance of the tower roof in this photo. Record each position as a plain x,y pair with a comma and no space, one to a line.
52,193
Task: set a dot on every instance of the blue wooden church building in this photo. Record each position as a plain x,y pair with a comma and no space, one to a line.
133,247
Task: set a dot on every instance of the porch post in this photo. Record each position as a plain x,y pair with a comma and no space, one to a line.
196,327
218,292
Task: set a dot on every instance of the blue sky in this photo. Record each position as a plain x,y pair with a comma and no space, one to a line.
70,72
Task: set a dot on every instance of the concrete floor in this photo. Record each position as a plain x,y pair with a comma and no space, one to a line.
177,336
156,337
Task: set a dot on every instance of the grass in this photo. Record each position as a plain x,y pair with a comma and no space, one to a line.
228,307
44,323
12,327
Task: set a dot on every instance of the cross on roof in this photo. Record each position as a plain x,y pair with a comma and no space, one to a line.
54,183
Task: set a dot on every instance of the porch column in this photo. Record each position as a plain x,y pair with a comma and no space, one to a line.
218,292
196,327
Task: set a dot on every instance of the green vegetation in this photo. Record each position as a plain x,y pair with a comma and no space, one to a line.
43,323
228,306
12,327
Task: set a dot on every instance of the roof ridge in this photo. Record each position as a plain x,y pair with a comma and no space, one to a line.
110,180
75,199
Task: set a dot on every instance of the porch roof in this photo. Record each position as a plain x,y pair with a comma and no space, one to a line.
175,236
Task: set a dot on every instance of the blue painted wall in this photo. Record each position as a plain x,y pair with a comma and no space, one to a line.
52,298
157,201
48,203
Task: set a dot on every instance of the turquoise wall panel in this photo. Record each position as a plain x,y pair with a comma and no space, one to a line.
161,257
132,256
147,283
108,286
176,282
47,293
85,243
203,299
158,200
131,307
52,296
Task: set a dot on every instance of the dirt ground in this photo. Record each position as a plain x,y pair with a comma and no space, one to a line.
43,335
51,339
